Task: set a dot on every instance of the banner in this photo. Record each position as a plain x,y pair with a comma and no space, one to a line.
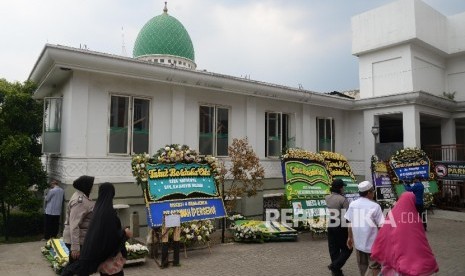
309,208
180,178
339,168
430,186
408,163
178,181
406,170
189,210
450,170
305,179
382,181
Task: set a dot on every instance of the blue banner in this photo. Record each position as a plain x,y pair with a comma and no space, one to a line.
408,173
180,178
189,209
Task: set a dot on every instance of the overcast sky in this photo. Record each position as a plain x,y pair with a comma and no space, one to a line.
292,43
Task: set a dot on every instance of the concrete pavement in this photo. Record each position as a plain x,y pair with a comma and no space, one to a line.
307,256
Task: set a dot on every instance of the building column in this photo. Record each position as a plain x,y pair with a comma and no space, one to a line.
369,120
411,127
448,136
251,122
178,115
75,116
308,137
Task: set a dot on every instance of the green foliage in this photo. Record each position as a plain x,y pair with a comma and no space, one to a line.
24,224
450,96
246,172
20,151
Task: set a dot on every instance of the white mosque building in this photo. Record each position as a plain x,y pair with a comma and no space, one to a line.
101,108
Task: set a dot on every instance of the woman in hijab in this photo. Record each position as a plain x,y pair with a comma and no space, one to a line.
401,245
105,238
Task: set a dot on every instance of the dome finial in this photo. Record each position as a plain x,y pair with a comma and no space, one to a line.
165,9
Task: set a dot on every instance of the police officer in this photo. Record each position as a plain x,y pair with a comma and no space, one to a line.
78,216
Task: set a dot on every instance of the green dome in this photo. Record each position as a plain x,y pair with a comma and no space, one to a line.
164,35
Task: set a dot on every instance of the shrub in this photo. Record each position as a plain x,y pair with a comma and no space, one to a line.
23,224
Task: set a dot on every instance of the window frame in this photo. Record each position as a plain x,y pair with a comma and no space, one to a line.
58,122
285,141
215,127
129,122
332,133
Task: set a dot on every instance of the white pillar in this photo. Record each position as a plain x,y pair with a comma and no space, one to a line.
448,136
251,122
369,120
75,116
411,127
308,136
178,115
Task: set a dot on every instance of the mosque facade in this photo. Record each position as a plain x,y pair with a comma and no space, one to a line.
102,108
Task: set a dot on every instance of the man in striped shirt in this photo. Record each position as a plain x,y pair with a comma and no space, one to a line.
53,207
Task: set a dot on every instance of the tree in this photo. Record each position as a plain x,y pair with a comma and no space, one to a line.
20,151
246,172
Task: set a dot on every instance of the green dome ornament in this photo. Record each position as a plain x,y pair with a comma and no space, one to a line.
163,39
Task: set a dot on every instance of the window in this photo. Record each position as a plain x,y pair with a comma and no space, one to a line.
129,125
52,125
325,132
277,131
162,60
214,130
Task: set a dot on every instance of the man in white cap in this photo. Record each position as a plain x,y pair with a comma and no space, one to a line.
365,217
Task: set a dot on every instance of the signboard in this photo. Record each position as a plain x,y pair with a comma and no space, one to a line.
306,184
177,181
180,178
382,181
409,162
339,168
305,179
309,208
406,171
188,209
450,170
430,187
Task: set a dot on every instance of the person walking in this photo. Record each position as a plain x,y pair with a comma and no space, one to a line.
337,204
78,216
365,217
418,190
53,206
401,246
104,247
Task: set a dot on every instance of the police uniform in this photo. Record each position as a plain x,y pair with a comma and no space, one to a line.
78,216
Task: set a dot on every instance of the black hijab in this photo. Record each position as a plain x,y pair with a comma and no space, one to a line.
104,237
84,184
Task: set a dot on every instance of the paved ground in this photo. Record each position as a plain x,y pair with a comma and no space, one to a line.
307,256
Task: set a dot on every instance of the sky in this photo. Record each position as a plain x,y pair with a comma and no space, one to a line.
299,43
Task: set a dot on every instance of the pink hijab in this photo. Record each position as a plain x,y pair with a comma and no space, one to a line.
401,245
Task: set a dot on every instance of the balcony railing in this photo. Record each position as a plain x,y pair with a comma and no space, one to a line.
454,152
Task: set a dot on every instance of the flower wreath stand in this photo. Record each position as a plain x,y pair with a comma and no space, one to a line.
207,244
161,244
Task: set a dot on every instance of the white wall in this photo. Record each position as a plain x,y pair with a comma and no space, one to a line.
456,77
385,26
385,72
408,46
455,31
428,71
401,21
